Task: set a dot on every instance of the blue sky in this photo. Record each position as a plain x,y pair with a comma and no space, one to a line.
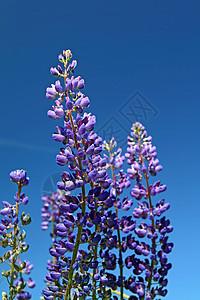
130,53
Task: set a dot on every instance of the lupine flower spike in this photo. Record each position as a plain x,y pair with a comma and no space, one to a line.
13,237
95,244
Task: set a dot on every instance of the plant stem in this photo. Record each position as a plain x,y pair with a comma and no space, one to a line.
14,249
78,239
53,237
119,238
95,256
69,286
153,224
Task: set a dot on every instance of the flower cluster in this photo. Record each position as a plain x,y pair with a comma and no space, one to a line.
13,237
92,233
141,156
109,236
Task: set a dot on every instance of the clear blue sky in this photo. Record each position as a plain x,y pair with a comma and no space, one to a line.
130,53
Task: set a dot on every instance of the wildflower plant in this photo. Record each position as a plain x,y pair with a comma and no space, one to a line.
98,251
109,237
12,237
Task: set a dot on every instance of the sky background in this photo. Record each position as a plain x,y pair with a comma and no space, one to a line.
131,54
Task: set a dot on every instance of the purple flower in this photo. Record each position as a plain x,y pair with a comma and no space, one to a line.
68,84
85,102
51,114
54,72
88,215
19,177
69,103
80,84
58,87
31,283
61,160
51,92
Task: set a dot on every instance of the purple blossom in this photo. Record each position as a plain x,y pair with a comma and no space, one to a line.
89,234
19,177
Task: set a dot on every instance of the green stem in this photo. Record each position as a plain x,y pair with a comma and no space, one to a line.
95,258
153,224
53,236
119,240
78,239
11,296
69,286
153,240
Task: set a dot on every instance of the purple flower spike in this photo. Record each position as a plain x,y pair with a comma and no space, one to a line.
90,215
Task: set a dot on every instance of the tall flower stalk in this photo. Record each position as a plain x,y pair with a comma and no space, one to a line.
12,237
141,156
93,234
